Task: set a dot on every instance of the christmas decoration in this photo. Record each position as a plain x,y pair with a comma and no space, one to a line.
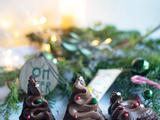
86,108
35,110
140,66
48,55
141,80
147,94
42,69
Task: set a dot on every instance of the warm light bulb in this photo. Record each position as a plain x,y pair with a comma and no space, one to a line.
5,24
8,63
53,38
108,40
43,20
55,61
35,21
46,47
16,58
8,52
95,43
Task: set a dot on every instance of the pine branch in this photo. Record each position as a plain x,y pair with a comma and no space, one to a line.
11,101
8,76
126,43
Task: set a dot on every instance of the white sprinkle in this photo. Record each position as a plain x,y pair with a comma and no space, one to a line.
37,85
118,94
80,78
142,105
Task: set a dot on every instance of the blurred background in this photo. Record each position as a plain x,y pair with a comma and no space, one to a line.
20,17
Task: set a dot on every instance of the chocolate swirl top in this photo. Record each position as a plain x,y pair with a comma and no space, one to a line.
129,110
81,106
35,107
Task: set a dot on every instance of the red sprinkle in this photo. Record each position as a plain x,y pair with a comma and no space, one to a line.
75,116
136,104
78,97
126,115
122,108
28,117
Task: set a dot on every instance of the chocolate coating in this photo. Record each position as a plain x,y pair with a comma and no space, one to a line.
35,110
83,107
129,110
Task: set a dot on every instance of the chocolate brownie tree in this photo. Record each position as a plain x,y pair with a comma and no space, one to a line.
82,106
129,110
35,107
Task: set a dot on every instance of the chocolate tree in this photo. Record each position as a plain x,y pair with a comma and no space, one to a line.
82,106
129,110
35,107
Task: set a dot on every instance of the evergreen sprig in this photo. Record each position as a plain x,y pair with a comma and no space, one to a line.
11,100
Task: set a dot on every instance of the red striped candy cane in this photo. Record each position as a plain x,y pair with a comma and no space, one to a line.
142,80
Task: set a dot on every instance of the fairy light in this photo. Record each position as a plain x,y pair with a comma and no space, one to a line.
15,58
108,40
5,24
53,38
46,47
43,20
55,61
7,52
35,21
95,42
8,63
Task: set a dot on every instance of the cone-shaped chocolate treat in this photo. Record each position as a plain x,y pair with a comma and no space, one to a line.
129,110
82,106
35,107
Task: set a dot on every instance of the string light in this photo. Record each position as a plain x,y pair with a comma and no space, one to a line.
95,43
35,21
55,61
53,38
43,20
5,24
7,52
46,47
16,58
108,40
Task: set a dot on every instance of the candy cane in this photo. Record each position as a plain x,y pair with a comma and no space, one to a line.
141,80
